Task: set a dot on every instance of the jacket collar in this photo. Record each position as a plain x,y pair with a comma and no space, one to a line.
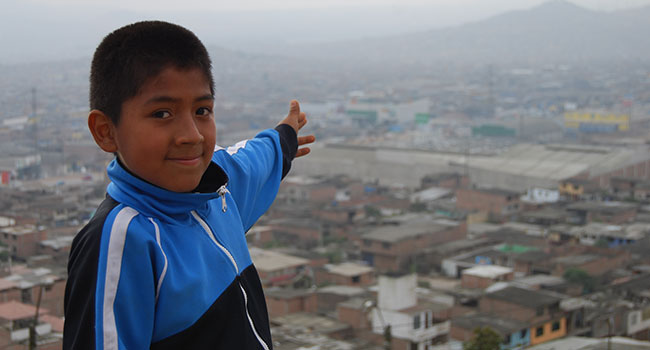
154,201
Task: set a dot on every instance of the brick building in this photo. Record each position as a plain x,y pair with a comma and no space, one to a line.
22,241
278,269
15,319
445,180
394,247
615,213
499,204
483,276
296,189
515,334
347,274
282,302
539,309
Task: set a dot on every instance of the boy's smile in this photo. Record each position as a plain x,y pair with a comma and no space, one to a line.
166,133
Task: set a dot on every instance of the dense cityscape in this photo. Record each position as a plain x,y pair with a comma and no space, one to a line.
445,203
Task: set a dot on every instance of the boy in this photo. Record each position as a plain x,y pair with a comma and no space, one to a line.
163,264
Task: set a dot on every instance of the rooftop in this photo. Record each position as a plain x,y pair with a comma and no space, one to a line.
309,321
487,271
396,233
19,230
267,260
525,297
13,310
582,343
58,242
286,293
430,194
343,290
576,260
348,269
424,305
611,207
503,326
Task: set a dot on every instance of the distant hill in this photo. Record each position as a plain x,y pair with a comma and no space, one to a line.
555,31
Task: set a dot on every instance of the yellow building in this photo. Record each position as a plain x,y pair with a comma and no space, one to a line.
548,331
596,122
572,188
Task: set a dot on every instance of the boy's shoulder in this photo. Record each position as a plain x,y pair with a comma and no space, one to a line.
89,237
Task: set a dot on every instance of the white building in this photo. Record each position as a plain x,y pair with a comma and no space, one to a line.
410,320
541,196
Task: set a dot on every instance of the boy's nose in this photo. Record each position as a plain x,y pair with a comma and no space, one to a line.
188,131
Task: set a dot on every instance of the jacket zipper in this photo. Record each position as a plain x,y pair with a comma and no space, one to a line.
210,234
222,193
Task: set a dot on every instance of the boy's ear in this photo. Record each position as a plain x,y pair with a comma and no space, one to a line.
103,130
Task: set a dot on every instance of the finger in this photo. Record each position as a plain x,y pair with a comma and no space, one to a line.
294,107
303,140
303,152
302,122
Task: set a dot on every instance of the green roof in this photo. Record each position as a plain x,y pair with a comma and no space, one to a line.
515,248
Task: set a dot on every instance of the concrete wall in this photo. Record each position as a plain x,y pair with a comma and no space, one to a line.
396,293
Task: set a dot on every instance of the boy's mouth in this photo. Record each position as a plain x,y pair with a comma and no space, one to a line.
186,160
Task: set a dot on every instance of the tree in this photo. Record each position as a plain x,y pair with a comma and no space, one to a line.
484,339
581,277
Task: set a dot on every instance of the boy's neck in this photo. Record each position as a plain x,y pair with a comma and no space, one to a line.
213,178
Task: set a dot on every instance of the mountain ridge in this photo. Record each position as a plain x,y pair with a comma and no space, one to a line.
552,31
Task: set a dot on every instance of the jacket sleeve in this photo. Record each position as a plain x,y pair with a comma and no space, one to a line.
118,311
255,168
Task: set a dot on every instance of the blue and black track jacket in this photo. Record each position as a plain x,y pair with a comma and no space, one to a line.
155,269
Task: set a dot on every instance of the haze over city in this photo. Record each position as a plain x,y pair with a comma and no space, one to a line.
55,29
478,165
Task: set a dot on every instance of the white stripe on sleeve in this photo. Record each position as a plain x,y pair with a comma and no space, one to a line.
239,145
113,267
164,271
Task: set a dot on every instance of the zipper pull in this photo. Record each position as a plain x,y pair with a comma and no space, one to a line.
222,193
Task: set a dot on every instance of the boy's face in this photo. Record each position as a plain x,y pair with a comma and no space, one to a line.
166,134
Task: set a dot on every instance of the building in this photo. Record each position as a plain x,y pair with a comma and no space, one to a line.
612,236
23,240
616,213
278,269
297,189
499,204
15,320
347,274
576,188
282,302
483,276
521,167
394,247
515,334
584,343
540,310
414,324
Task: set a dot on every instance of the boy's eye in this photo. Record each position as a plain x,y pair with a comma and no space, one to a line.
203,111
161,114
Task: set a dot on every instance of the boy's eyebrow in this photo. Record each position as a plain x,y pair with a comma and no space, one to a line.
156,99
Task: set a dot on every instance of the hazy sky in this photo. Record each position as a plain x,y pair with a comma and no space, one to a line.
488,6
38,30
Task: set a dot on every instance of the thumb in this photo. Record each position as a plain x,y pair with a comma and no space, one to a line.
294,107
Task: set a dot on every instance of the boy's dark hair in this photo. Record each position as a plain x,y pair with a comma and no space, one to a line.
131,55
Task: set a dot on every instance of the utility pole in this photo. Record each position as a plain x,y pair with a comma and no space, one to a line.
609,333
32,328
34,120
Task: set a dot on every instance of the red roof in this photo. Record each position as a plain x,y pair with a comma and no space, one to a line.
56,322
13,310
